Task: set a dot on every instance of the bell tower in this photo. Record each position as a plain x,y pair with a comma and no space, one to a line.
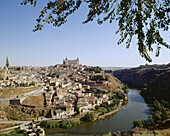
7,62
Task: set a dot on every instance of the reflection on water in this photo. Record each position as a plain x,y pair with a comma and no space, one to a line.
134,96
147,112
136,108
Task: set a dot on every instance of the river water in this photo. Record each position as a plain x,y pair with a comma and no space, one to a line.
136,108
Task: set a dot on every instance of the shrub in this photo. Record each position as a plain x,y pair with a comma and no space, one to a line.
52,84
138,123
78,111
88,117
105,105
66,125
106,77
126,91
109,109
112,105
95,69
44,123
49,124
121,96
75,123
114,97
97,107
165,103
116,102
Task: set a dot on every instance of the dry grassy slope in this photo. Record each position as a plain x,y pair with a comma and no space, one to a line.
37,100
115,82
25,113
2,126
115,86
16,91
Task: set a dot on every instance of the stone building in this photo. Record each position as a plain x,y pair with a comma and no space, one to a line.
69,109
3,73
71,62
8,67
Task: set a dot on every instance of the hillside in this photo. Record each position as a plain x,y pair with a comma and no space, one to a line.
154,78
37,100
16,91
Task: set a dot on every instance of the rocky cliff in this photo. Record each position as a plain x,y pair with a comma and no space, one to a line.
154,78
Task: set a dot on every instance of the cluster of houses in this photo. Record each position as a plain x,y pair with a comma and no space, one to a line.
71,94
67,87
68,91
22,77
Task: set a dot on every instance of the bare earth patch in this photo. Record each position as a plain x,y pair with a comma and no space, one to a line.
37,100
16,91
165,132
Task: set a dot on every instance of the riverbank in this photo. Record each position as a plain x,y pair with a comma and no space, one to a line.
111,113
88,117
120,120
154,81
30,129
115,106
158,123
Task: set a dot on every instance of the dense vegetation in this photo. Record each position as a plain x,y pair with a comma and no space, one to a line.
99,77
67,124
98,91
105,107
154,81
125,89
88,117
96,69
56,124
158,115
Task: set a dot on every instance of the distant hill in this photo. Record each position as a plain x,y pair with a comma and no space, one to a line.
155,78
114,68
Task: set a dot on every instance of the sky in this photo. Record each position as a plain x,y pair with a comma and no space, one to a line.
94,44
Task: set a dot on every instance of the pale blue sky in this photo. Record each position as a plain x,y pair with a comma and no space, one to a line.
93,44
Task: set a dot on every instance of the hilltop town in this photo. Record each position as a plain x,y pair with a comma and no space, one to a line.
66,89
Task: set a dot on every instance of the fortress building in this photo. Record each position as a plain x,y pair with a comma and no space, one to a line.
71,62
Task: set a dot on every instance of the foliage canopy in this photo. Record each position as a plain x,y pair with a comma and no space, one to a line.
141,18
88,117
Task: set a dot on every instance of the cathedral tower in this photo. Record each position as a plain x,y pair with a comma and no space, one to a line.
7,62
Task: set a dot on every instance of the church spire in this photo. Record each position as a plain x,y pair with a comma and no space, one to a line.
7,62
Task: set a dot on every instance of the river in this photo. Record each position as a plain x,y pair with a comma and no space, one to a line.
136,108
